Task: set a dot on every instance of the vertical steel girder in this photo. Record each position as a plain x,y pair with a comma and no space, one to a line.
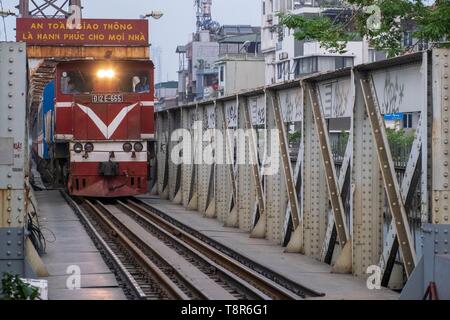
185,168
172,168
196,148
408,187
315,194
391,185
256,170
222,182
228,179
203,168
285,158
178,175
289,239
440,139
277,193
367,175
331,233
163,158
367,195
330,169
211,191
250,190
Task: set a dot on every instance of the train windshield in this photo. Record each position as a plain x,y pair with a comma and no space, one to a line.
104,80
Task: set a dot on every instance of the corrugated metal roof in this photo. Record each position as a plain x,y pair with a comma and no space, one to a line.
167,85
254,37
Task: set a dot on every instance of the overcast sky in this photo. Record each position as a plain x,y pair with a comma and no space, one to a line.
168,32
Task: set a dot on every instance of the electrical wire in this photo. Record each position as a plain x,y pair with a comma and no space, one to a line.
4,22
35,233
36,236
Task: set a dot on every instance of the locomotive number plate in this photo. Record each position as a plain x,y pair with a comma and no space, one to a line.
107,98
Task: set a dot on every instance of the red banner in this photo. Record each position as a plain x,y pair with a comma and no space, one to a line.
95,32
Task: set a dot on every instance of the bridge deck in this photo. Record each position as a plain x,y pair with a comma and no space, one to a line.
72,246
298,268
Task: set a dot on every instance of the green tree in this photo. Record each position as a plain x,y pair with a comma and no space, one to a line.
401,143
13,288
359,18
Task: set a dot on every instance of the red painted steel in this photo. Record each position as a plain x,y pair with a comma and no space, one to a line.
79,119
132,180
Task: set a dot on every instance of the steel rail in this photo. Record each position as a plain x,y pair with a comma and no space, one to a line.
164,280
254,278
246,287
97,238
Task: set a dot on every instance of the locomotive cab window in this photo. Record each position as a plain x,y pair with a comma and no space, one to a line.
94,79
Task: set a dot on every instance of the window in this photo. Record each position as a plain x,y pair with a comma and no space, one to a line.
343,62
283,70
340,63
407,120
407,39
280,70
89,78
222,75
306,65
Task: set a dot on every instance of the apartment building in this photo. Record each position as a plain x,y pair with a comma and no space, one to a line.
287,58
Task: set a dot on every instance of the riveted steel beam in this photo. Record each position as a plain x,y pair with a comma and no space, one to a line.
408,187
211,121
440,139
343,185
330,169
367,194
315,201
196,131
391,185
285,159
289,234
254,162
203,168
172,167
163,155
231,213
178,168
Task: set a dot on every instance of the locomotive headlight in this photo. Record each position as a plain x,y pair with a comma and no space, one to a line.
106,73
127,147
138,147
78,148
89,147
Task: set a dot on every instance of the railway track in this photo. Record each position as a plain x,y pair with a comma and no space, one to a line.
261,277
158,260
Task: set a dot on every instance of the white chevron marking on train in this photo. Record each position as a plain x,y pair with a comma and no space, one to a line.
107,131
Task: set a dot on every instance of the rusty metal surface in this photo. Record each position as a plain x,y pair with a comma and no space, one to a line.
330,168
391,185
414,84
82,52
286,161
255,168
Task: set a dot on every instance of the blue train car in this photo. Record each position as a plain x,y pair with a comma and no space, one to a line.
44,125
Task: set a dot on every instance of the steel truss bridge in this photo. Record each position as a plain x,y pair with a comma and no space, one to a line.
355,214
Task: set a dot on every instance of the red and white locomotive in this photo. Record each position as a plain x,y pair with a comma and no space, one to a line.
102,125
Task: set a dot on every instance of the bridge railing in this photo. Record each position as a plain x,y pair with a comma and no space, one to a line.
354,203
